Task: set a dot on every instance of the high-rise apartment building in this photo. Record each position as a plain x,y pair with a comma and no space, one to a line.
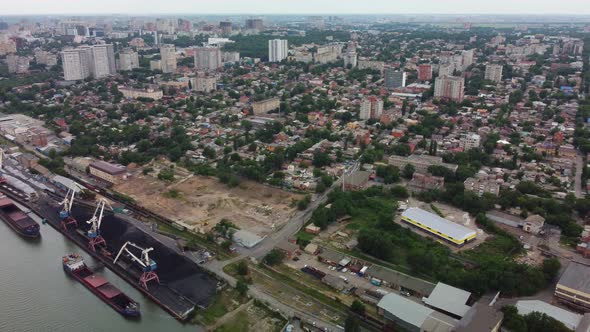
350,57
467,58
168,58
204,83
494,73
277,50
77,63
128,59
226,27
254,24
394,78
85,61
371,108
446,70
45,58
425,72
449,87
103,60
17,64
208,58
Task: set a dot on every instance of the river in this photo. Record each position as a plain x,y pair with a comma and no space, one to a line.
36,294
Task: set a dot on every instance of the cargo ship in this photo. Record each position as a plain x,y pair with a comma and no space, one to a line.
17,219
74,265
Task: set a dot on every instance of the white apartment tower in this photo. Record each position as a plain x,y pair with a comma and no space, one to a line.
76,63
168,58
371,108
449,87
351,57
128,60
94,61
494,73
277,50
103,60
207,58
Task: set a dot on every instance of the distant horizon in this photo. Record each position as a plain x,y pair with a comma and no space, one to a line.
301,7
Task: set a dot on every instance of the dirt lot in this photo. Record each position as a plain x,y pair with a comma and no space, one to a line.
201,202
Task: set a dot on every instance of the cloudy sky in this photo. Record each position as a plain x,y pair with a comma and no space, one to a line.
22,7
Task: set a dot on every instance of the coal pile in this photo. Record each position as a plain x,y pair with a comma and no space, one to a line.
175,271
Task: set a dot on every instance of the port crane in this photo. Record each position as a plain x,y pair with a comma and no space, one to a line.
94,232
147,264
66,213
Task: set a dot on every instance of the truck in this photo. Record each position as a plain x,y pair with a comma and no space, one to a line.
362,271
376,282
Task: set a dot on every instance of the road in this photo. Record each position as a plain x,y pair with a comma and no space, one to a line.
578,177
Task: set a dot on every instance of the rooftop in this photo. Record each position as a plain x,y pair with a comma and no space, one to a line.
437,223
449,299
108,167
416,314
569,319
576,276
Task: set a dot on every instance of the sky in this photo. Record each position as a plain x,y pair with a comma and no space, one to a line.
36,7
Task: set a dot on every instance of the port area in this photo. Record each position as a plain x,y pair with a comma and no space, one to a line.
183,287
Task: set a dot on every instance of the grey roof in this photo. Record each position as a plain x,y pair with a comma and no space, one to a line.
416,314
449,299
437,223
505,218
576,276
405,309
397,278
480,317
246,239
569,319
109,168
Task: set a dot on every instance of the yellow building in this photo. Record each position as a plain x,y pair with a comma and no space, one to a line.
108,172
573,287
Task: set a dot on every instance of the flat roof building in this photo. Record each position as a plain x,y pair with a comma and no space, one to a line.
574,286
440,227
449,299
420,162
570,319
108,172
412,316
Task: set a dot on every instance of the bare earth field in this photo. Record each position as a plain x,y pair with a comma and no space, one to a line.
202,202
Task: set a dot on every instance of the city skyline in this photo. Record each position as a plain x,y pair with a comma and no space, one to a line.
259,7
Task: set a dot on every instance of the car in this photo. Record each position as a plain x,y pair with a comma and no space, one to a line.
405,293
344,270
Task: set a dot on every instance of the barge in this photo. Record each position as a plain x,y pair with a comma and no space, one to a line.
74,266
17,219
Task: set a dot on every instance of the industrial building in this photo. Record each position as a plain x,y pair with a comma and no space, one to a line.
108,172
449,300
400,311
440,227
571,320
574,286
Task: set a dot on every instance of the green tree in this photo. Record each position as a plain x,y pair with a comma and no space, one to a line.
408,171
274,257
358,307
242,287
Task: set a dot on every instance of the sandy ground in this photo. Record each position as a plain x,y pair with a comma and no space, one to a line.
204,201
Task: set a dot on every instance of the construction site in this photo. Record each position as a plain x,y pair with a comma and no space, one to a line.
199,203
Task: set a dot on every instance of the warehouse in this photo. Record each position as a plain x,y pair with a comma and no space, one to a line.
401,312
574,286
435,225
